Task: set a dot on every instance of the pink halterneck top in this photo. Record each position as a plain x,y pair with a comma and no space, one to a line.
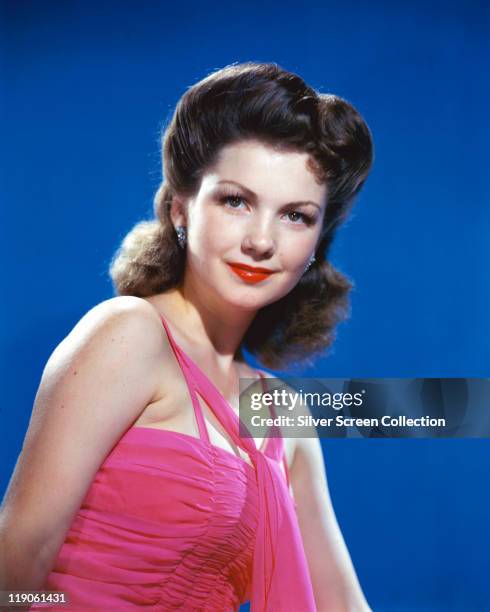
173,522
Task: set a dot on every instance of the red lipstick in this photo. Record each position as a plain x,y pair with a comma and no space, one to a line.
250,274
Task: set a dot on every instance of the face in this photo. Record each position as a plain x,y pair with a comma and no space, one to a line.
253,225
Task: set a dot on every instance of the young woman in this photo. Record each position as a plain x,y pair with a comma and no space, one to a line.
133,487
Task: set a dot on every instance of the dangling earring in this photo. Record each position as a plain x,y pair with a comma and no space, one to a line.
181,236
310,262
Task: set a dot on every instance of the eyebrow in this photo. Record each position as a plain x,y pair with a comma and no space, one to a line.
253,195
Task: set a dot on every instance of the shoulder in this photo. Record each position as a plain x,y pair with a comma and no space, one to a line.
109,363
125,328
128,315
127,307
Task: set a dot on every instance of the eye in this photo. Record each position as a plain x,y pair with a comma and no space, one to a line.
298,218
232,200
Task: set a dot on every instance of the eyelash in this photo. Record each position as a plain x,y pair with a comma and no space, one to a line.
225,199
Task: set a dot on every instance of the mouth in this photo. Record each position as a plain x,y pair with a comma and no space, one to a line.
250,274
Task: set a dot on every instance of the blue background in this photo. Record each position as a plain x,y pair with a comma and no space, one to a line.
85,89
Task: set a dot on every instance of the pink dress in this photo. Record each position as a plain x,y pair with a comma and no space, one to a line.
173,522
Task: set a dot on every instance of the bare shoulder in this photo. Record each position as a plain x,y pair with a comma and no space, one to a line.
116,348
124,320
125,310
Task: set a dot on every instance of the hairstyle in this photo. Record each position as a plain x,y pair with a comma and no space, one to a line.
259,101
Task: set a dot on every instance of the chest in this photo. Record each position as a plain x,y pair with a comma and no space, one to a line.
173,409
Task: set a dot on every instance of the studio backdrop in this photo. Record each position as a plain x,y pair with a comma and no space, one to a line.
85,91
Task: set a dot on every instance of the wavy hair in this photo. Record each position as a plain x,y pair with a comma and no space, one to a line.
260,101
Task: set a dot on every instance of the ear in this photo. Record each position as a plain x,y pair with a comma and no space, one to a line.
178,211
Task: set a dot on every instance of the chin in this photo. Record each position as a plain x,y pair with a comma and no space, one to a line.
255,297
249,303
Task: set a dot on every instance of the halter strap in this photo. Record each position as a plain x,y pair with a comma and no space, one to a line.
181,358
280,450
195,380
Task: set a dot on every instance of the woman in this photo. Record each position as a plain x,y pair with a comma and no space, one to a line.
133,487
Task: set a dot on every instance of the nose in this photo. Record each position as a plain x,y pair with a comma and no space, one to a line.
258,242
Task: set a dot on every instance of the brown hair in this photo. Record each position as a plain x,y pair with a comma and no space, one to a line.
267,103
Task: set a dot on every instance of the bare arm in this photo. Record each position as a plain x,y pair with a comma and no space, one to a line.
94,385
335,583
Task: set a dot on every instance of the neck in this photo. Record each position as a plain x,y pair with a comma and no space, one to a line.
213,328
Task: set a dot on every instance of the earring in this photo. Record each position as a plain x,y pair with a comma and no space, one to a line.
310,262
181,236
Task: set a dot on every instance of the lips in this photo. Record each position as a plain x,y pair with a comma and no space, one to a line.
250,274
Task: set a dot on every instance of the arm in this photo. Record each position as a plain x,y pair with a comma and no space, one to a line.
335,583
94,385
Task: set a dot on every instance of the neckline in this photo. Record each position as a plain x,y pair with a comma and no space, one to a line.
192,439
265,442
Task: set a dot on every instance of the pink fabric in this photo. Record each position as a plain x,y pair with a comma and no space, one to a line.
172,522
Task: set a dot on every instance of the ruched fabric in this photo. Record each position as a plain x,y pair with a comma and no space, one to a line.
173,522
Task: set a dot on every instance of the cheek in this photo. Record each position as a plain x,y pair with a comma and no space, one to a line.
296,249
210,235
